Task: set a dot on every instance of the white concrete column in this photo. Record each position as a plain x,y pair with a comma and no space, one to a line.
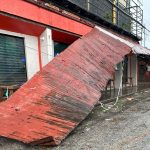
133,69
118,76
47,46
129,66
31,52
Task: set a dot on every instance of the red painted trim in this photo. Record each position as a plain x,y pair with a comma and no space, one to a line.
32,12
39,52
20,26
63,37
61,12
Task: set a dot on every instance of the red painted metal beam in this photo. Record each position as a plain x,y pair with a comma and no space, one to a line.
49,106
63,37
20,26
32,12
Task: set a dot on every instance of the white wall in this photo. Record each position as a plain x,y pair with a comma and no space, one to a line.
118,76
133,67
31,52
47,48
32,55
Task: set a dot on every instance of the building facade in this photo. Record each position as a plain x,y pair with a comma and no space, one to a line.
69,52
33,32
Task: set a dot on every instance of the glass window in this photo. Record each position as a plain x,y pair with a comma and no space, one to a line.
59,47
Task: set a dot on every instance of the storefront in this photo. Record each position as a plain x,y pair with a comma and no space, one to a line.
143,68
12,60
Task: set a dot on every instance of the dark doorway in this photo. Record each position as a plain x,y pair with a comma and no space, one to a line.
59,47
143,68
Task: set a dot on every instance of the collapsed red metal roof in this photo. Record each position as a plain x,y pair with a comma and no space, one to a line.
50,105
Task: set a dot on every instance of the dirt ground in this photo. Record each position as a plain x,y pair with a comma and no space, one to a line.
125,127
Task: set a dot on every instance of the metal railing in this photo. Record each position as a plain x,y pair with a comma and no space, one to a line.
146,38
126,14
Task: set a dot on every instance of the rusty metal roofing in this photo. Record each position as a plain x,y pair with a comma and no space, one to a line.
136,48
50,105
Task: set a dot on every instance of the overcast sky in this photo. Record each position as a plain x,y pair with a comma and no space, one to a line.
146,9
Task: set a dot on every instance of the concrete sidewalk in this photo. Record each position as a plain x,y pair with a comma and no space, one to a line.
125,127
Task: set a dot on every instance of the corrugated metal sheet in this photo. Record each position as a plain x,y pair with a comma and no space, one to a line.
49,106
136,48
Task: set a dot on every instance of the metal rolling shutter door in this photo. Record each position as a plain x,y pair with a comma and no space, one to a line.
12,60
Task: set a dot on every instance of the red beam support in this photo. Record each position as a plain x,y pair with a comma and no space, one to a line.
32,12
